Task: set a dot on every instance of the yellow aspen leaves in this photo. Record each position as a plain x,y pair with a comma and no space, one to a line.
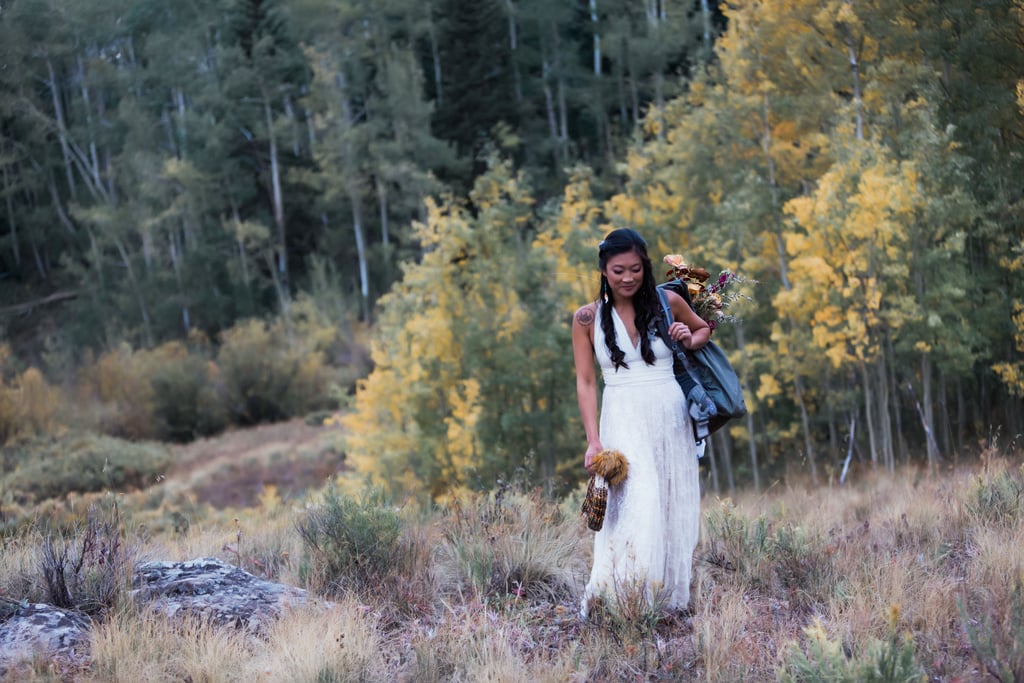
1012,374
463,443
768,388
850,232
455,365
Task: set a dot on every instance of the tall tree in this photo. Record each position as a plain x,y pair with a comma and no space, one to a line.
477,79
264,72
467,379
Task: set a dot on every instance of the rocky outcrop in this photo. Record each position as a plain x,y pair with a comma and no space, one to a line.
214,591
30,630
208,589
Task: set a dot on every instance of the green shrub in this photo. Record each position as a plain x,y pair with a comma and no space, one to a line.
631,616
997,635
262,373
115,395
510,545
89,571
28,404
823,660
8,397
997,498
774,557
736,544
350,543
186,400
268,376
49,467
801,566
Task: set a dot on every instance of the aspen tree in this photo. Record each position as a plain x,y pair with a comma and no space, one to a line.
469,362
1012,373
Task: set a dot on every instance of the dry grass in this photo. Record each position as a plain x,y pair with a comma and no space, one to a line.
141,647
917,572
20,578
509,544
345,643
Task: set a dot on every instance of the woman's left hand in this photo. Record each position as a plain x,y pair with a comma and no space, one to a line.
680,332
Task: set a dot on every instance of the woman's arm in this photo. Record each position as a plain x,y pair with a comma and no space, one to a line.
586,377
689,329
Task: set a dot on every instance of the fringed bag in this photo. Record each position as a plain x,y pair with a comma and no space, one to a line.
596,502
610,468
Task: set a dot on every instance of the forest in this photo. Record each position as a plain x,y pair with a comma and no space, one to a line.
382,215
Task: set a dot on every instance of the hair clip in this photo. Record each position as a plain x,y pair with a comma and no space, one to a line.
601,245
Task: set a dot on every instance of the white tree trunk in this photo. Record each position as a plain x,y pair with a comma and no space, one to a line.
179,98
549,105
355,199
884,415
928,412
435,54
651,12
705,10
62,131
513,40
15,247
869,413
357,226
382,201
766,145
136,287
243,258
94,163
278,201
855,75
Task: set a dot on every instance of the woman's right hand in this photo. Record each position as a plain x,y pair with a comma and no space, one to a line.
588,459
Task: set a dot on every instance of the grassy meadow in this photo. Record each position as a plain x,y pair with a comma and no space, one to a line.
915,576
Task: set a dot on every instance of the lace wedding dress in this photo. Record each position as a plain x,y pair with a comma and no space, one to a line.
653,519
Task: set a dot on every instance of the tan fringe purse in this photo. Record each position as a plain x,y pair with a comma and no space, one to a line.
609,469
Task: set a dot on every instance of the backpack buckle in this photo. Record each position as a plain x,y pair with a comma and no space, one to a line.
700,415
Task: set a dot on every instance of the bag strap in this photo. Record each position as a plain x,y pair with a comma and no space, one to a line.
701,407
695,392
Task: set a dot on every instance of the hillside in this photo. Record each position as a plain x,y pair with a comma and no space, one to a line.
905,576
233,468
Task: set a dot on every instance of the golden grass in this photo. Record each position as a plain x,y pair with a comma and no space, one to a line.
19,577
342,643
135,647
489,590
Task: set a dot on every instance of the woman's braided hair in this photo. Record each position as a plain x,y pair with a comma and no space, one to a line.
645,302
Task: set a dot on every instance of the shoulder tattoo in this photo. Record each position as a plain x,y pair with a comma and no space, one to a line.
585,316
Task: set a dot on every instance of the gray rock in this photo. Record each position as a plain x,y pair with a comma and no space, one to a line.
30,630
214,591
208,589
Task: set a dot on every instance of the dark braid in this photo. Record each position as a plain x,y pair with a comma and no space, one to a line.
645,302
608,327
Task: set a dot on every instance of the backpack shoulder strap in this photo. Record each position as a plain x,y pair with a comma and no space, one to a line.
700,406
690,380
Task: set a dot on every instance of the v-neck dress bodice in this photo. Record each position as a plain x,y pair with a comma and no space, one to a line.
652,521
639,372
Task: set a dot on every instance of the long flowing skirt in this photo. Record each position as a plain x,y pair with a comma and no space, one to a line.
653,519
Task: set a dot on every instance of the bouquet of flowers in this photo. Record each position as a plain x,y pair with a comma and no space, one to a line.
710,301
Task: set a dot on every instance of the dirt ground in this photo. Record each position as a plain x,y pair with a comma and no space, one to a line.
232,469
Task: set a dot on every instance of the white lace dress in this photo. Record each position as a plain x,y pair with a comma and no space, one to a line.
652,521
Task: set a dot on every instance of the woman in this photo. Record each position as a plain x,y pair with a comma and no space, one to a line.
653,519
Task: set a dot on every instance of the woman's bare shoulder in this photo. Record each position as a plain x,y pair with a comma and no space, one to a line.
586,314
672,297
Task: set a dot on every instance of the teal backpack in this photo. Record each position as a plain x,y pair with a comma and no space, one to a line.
709,383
